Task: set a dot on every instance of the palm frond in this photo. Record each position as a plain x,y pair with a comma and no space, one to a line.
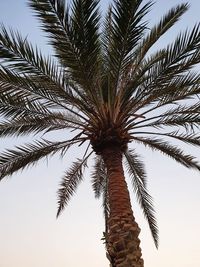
13,160
17,54
127,29
29,124
156,32
168,79
135,88
85,25
180,87
135,168
65,33
188,121
17,104
172,114
188,138
170,151
99,185
141,68
24,86
70,182
99,177
167,21
185,137
13,86
180,57
54,17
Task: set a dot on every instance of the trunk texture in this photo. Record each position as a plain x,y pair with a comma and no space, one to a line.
123,244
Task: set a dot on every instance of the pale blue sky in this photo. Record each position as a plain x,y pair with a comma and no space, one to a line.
30,236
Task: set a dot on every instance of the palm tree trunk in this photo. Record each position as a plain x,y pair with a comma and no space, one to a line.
123,243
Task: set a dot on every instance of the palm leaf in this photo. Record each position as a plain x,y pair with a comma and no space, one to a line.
99,185
65,38
14,86
13,160
137,173
170,151
181,114
192,139
25,86
168,20
188,138
182,87
99,177
19,55
156,32
27,125
70,182
127,29
181,55
85,25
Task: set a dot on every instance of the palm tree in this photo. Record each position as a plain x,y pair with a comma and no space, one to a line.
110,92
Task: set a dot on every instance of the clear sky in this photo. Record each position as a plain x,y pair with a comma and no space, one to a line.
30,235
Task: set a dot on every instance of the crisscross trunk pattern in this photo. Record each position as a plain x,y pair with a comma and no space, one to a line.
123,244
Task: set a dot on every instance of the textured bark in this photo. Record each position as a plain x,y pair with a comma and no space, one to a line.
123,243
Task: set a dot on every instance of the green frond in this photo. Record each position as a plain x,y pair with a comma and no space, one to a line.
36,124
193,108
185,137
106,41
169,150
135,88
180,57
183,49
106,36
17,54
168,79
141,68
188,121
13,160
99,177
136,171
180,87
13,86
54,17
188,138
166,22
181,116
65,32
127,29
10,85
24,86
70,182
99,185
85,26
14,106
174,116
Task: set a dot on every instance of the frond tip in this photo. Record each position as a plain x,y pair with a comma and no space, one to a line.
70,182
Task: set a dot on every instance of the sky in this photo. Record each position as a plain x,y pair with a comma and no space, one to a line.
30,234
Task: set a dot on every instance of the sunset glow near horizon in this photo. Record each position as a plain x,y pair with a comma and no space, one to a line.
30,234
